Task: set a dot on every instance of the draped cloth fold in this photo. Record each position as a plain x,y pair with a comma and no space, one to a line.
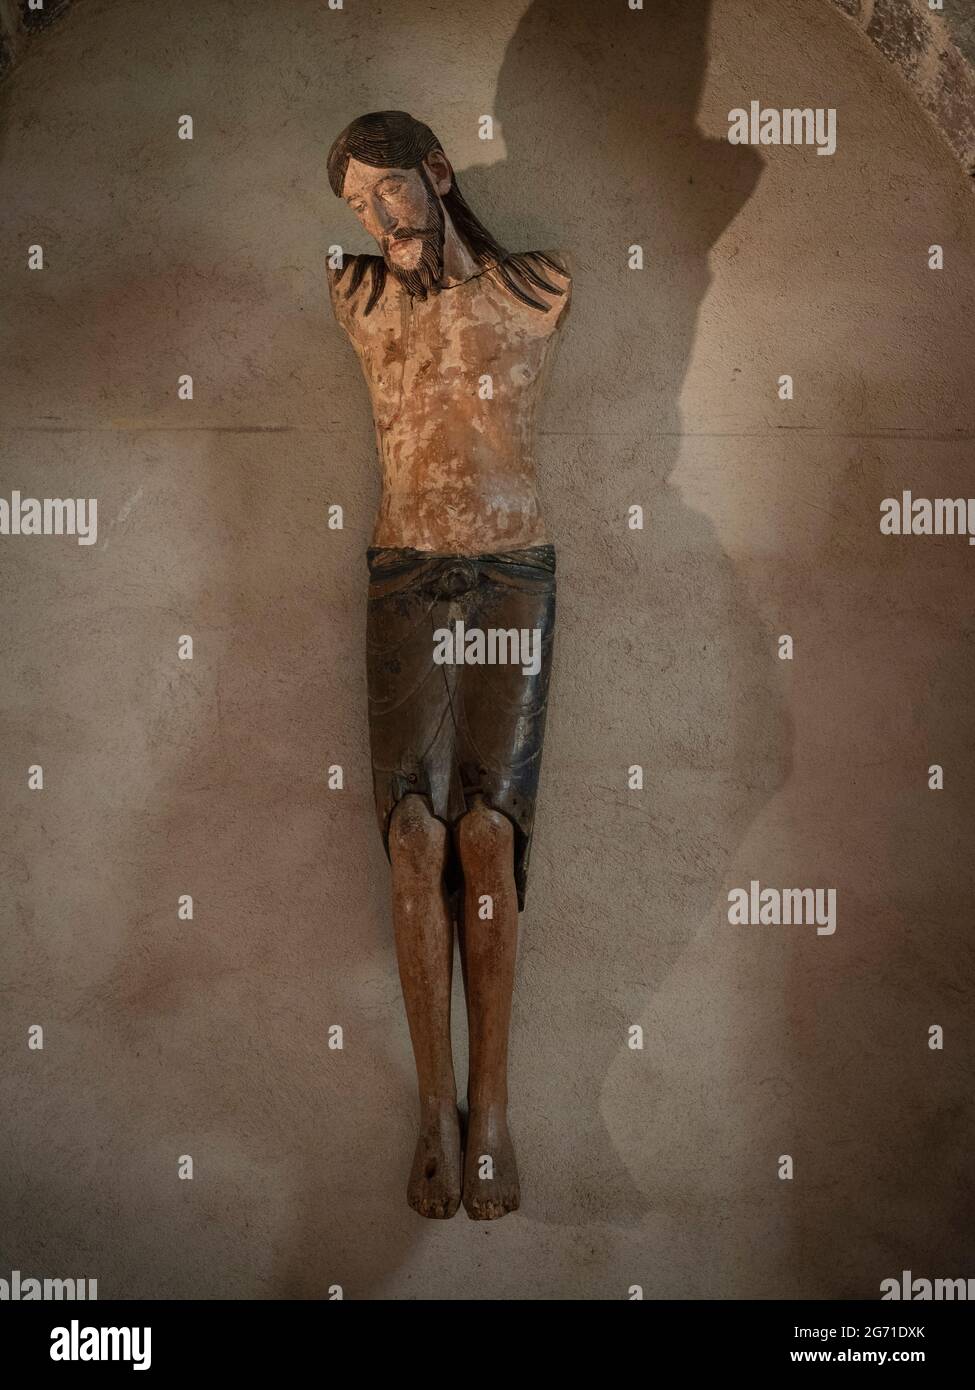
452,732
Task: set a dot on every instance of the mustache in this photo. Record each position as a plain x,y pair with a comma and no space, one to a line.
411,234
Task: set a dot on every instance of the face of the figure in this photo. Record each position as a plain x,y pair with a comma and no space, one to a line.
400,209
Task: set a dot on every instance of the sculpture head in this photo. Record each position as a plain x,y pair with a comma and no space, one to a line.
393,174
392,171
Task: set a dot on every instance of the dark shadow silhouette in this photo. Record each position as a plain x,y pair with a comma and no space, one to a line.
596,106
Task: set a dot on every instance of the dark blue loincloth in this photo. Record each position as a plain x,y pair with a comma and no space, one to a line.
451,732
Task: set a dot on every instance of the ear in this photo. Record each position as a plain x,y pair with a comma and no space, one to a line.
439,171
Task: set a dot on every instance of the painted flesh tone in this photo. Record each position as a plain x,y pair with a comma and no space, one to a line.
458,470
458,477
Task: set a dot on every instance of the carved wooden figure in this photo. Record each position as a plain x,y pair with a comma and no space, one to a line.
454,334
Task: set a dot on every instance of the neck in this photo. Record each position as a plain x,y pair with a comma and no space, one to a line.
458,263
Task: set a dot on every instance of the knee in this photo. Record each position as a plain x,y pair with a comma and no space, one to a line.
416,837
485,833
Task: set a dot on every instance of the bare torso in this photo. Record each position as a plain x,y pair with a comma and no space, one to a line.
454,380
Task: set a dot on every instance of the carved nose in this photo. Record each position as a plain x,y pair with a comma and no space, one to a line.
456,578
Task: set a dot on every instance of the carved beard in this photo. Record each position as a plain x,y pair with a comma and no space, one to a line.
427,275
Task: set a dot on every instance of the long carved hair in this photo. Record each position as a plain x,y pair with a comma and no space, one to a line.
396,140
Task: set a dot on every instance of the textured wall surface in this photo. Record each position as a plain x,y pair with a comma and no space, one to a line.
933,49
164,777
20,20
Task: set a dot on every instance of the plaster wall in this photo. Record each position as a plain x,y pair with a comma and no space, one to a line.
207,777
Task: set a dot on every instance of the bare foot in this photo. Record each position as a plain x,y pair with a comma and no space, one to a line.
434,1186
490,1152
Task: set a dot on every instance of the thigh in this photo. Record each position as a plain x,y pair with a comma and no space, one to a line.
502,707
405,687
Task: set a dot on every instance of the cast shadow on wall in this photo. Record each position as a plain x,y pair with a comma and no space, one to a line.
660,657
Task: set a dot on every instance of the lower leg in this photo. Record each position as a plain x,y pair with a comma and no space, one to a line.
490,932
424,949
